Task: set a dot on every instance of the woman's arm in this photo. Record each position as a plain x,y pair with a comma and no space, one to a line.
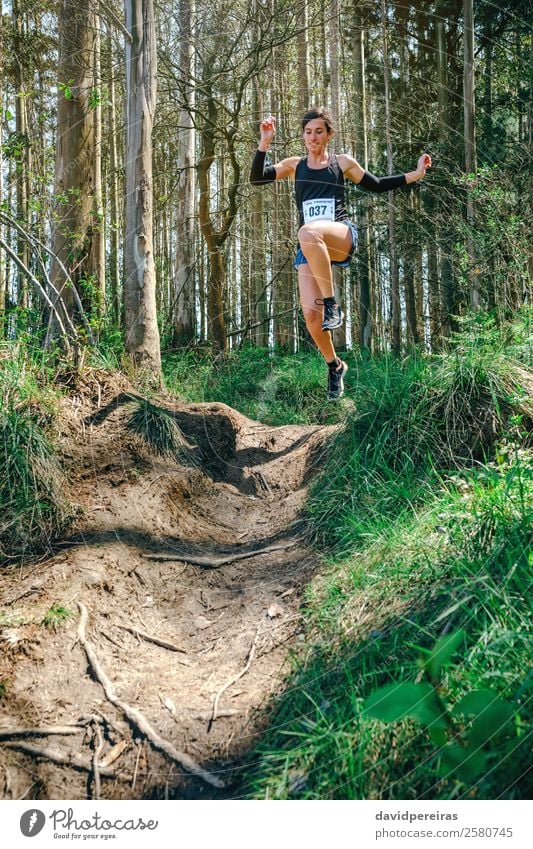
261,175
355,172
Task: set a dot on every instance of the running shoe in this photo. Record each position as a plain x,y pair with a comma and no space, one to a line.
333,315
336,372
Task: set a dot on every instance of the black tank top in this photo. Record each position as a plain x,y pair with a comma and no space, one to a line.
320,183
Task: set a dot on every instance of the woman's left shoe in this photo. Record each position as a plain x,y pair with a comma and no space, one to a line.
336,372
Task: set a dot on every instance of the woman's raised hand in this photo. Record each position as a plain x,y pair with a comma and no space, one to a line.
268,130
423,164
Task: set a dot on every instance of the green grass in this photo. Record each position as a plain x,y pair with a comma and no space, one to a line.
33,507
56,616
426,509
460,562
271,387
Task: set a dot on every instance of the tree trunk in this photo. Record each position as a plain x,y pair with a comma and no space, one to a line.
23,164
470,145
361,153
184,325
142,333
215,285
258,278
3,277
434,296
98,246
283,293
72,237
394,269
304,86
114,224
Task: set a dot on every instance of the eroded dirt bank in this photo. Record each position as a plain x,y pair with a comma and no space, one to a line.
204,556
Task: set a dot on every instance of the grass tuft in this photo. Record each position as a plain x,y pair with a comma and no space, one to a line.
33,507
56,616
159,430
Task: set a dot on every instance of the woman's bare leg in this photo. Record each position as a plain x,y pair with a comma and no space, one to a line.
309,292
324,242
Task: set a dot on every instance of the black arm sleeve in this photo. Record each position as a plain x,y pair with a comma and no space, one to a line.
382,184
259,175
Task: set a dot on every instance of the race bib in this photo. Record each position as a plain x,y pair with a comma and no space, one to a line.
319,209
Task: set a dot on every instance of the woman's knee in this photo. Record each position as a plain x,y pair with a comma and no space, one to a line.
312,317
309,237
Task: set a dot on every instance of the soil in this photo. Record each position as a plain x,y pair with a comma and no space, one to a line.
168,550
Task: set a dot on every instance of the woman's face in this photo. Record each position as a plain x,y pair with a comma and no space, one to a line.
316,135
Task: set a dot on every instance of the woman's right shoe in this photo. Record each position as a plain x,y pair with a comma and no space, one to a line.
333,317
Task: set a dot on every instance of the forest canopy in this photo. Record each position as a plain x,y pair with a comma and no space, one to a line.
126,210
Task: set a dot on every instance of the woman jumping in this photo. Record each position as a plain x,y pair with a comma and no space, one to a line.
326,236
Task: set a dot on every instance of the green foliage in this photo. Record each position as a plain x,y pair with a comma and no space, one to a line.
14,146
66,89
33,507
431,511
398,700
56,616
460,753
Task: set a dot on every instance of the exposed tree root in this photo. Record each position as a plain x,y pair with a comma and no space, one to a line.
214,562
158,642
75,761
135,716
243,671
8,733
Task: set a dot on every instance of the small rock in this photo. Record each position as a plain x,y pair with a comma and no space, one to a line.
200,622
275,610
92,579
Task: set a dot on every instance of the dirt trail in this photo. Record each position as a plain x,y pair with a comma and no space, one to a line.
173,551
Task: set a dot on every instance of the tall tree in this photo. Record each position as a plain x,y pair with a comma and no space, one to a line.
72,237
184,327
3,276
361,152
394,269
98,245
142,332
22,156
470,143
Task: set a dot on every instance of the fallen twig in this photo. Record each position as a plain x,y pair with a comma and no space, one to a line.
114,753
264,481
152,482
134,715
207,715
75,761
99,745
243,671
6,733
213,563
149,639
